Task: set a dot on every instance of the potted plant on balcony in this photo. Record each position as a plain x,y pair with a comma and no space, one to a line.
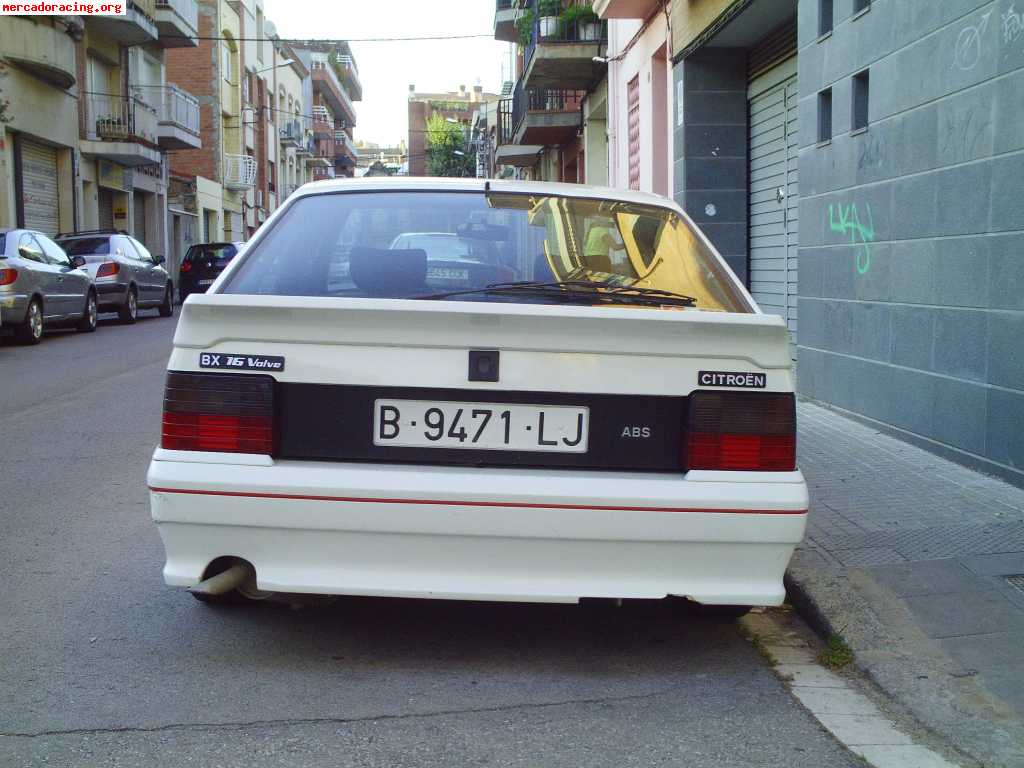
111,127
579,22
549,11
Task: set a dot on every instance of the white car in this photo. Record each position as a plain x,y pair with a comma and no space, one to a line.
604,413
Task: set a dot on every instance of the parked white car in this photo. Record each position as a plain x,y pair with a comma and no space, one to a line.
602,412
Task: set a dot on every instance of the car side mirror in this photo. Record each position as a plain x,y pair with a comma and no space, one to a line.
26,253
158,260
77,262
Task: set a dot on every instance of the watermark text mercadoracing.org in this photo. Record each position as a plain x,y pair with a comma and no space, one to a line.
60,9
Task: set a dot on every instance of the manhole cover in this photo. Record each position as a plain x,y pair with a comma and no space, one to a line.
1017,582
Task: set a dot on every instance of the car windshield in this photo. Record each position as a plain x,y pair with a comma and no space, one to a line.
474,244
83,246
212,251
3,245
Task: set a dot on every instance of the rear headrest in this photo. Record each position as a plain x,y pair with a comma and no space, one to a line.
386,272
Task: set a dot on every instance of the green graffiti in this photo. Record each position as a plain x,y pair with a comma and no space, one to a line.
861,233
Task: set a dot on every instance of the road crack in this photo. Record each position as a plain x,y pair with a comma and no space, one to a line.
287,722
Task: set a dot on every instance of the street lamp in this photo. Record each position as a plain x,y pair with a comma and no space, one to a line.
284,63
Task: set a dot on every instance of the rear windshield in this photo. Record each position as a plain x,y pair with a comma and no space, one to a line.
212,250
3,245
418,244
84,246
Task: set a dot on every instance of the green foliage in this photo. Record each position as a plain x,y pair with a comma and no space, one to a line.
443,141
524,27
549,7
837,653
579,14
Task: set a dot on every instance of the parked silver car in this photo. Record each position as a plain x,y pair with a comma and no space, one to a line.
41,285
128,277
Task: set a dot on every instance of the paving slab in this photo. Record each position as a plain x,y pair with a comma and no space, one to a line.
907,556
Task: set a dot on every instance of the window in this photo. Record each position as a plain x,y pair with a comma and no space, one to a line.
226,62
270,175
825,116
861,5
861,84
54,253
29,249
259,35
825,17
409,245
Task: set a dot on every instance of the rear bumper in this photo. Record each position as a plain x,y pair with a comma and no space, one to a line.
111,294
479,534
12,308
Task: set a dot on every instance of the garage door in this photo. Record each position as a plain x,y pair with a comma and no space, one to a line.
39,197
106,208
774,190
139,211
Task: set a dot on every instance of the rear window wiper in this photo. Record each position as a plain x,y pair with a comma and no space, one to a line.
584,291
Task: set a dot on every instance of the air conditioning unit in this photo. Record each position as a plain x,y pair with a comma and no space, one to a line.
259,198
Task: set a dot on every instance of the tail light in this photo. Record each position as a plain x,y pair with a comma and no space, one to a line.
108,269
186,266
223,412
752,431
8,276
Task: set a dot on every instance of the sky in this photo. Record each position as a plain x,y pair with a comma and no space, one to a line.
387,69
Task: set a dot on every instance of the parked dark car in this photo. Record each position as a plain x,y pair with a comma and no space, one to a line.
41,285
128,277
202,264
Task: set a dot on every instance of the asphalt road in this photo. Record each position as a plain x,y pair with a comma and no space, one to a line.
101,664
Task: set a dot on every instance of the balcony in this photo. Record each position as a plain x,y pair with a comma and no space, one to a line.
239,172
177,115
177,23
508,152
44,47
544,116
135,27
561,53
326,83
625,9
345,66
323,121
505,14
305,147
120,129
323,172
291,134
343,146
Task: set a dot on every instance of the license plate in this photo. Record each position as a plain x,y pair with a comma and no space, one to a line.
483,426
206,282
447,273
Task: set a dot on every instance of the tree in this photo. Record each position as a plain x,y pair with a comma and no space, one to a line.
447,150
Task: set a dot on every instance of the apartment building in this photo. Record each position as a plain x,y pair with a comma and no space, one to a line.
294,125
457,106
333,89
92,118
39,132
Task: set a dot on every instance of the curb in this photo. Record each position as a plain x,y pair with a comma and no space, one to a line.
903,665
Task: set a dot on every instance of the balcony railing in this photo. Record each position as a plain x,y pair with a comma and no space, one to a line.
553,29
239,172
174,106
322,115
506,127
119,118
291,133
346,66
526,100
323,172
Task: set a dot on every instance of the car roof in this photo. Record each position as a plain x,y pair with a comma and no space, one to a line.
439,184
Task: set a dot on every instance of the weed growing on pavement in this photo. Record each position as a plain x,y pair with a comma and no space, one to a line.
837,653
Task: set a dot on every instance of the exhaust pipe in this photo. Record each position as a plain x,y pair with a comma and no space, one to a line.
225,581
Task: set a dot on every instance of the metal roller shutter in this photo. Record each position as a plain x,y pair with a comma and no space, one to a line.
774,190
39,191
139,206
105,201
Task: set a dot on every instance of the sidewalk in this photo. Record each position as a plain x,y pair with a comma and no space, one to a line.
919,563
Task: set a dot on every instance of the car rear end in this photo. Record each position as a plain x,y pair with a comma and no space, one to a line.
202,264
110,276
497,450
14,282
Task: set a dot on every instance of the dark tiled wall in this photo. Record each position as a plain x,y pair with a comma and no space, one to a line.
911,295
711,148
